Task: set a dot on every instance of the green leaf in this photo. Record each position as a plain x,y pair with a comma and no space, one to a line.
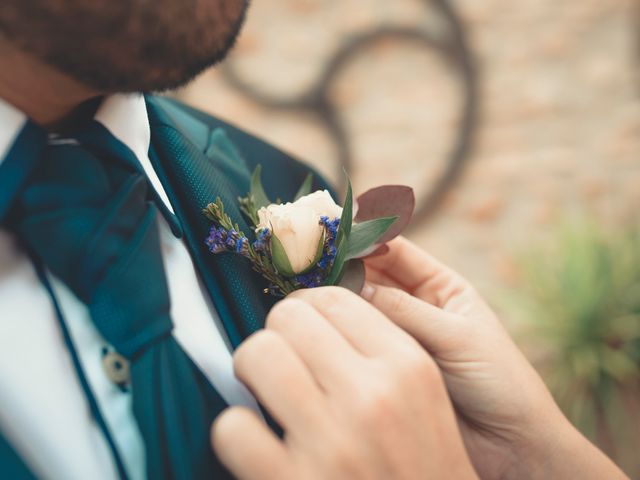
366,234
247,207
338,264
342,242
258,194
305,188
210,212
347,213
280,258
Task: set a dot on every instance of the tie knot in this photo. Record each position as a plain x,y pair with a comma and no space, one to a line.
77,214
86,216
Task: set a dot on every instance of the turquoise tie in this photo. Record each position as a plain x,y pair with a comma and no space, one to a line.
86,214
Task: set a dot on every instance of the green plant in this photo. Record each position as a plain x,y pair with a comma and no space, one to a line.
581,296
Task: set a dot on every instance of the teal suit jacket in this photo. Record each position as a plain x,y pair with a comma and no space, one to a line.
202,157
198,158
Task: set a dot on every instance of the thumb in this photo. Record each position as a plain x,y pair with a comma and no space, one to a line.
439,332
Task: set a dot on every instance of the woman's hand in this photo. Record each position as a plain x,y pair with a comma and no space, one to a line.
510,424
357,397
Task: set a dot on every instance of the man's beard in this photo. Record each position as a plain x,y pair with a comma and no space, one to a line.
125,45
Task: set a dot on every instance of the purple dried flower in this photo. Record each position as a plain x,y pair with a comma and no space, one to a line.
242,246
330,250
221,240
232,238
216,241
312,279
262,241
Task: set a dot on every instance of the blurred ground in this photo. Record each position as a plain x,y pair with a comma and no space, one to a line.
559,130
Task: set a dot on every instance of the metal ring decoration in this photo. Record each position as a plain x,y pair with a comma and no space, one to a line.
456,53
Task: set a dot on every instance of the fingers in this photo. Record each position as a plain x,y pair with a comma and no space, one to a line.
436,330
418,272
247,447
407,263
365,328
380,278
274,373
326,353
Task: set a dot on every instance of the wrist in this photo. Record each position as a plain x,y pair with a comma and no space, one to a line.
555,445
558,451
547,438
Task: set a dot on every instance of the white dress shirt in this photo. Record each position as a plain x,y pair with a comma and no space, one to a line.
43,409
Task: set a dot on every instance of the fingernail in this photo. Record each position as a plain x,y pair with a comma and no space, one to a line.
368,291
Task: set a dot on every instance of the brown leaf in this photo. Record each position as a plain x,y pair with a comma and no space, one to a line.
387,201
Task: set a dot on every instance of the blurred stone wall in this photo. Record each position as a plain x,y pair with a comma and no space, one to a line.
559,131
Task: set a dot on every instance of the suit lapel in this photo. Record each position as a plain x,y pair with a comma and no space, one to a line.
193,179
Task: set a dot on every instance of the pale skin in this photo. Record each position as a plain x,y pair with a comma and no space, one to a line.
53,99
382,410
394,386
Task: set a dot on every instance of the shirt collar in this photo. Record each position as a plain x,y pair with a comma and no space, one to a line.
124,115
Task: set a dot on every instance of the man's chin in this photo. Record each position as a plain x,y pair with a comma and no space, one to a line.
162,65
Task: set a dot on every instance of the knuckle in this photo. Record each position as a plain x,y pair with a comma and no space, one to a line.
407,371
333,295
417,366
283,312
339,462
341,458
230,428
257,348
378,402
398,301
225,425
418,373
412,357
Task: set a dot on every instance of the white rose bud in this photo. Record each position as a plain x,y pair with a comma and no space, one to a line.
297,227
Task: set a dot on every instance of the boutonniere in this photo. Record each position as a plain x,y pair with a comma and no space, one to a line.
311,241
